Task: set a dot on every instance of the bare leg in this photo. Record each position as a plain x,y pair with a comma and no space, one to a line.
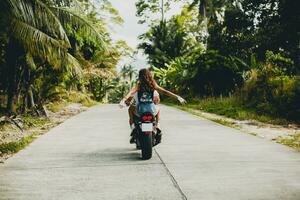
131,112
158,116
158,129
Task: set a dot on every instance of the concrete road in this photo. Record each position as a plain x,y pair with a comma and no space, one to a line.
89,157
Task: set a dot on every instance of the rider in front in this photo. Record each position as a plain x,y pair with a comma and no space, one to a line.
146,88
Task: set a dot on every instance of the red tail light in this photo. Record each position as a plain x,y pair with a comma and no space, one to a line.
147,118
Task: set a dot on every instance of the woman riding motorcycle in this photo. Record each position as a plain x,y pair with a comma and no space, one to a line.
146,89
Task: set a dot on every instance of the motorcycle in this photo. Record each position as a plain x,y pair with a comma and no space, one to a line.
146,134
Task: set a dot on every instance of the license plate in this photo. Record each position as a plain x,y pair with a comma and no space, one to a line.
146,127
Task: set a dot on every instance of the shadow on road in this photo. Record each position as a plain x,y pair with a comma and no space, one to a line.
114,155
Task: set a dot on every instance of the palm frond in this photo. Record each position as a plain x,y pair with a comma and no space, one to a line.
38,43
38,15
30,61
79,22
66,3
99,72
73,66
105,59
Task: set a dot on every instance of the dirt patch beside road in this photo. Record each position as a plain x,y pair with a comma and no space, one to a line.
17,134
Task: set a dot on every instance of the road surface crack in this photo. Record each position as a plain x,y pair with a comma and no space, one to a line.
175,183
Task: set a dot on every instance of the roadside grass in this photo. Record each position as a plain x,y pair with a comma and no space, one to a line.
252,133
89,103
232,108
71,97
27,122
14,147
293,141
224,122
195,112
82,98
5,127
33,121
57,105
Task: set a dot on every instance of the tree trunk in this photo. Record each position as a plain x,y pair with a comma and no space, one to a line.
11,100
202,17
14,51
202,9
162,11
30,97
11,90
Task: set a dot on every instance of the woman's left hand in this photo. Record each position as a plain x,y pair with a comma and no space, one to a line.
181,100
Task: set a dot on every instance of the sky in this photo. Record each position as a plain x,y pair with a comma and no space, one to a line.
130,30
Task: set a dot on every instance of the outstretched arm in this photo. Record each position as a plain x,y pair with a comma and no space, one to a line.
165,92
170,94
131,92
123,102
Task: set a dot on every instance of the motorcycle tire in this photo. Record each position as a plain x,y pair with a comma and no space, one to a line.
146,146
138,143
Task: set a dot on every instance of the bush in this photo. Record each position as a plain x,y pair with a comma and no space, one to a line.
217,74
202,74
176,76
269,89
284,63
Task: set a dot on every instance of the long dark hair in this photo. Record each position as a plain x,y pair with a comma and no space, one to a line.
146,81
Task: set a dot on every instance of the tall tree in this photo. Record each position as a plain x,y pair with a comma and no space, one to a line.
209,10
148,10
170,39
37,31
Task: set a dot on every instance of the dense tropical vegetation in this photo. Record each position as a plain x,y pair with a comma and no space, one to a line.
244,51
52,47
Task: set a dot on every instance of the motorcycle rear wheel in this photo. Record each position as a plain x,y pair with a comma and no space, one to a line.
146,146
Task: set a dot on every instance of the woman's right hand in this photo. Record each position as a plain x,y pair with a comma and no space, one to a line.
122,103
181,100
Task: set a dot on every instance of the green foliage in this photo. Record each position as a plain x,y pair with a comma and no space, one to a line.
247,55
14,147
217,74
99,88
254,27
181,63
120,89
270,90
279,61
80,97
122,84
224,122
53,47
56,106
169,40
176,75
232,107
146,9
292,141
64,99
33,121
196,74
232,35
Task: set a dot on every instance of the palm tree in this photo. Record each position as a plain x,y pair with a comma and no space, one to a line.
128,72
202,16
208,9
38,30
